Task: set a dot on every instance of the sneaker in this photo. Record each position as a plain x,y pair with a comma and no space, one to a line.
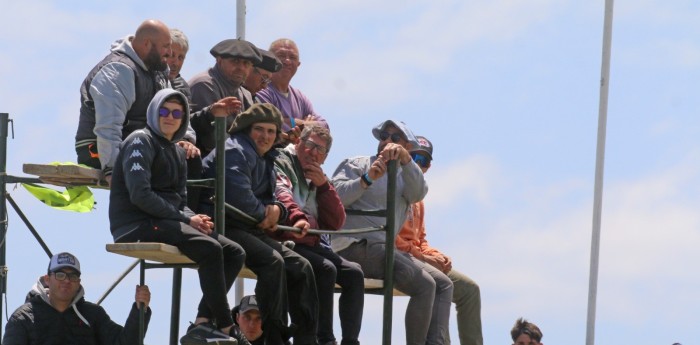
205,334
236,333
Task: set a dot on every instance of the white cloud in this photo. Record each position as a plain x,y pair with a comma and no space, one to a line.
474,177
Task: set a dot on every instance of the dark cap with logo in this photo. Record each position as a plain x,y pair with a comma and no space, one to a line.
63,260
248,303
424,145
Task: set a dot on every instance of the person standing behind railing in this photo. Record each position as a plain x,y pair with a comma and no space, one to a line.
115,94
296,108
411,239
361,183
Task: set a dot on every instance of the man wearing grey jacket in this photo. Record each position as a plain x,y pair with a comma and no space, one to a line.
361,183
116,93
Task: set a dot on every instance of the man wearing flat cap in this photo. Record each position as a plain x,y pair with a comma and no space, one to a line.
262,72
361,183
56,312
235,59
250,187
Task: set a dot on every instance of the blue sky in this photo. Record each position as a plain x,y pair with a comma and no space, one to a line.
507,90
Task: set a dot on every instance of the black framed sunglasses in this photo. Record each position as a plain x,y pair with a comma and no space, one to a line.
421,160
74,277
395,137
164,112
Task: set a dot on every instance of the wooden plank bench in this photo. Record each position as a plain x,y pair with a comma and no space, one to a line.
169,254
66,175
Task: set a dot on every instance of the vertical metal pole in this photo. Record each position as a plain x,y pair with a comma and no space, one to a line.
4,120
175,305
240,19
239,289
142,308
220,132
389,252
599,172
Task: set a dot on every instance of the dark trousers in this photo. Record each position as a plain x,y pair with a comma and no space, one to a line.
329,269
88,155
284,279
219,260
194,172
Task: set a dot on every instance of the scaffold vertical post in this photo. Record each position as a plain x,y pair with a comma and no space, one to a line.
389,251
4,123
220,136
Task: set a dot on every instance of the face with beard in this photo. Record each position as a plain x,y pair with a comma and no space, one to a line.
158,45
155,61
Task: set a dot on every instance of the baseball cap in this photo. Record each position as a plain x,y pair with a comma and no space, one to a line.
424,145
410,137
248,303
63,260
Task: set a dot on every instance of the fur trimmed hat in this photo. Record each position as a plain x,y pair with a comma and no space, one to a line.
258,112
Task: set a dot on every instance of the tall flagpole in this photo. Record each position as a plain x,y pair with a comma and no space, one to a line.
240,33
599,169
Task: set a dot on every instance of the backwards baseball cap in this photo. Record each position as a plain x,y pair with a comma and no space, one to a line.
424,146
63,260
248,303
237,48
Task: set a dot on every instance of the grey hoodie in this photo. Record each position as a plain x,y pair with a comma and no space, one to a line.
152,116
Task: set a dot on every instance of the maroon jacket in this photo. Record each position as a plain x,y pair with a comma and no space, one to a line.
293,190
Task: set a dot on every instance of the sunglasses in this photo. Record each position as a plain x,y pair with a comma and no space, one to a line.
312,145
177,113
74,277
421,160
395,137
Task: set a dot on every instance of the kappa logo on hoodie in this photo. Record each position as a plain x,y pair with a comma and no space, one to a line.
137,141
136,167
135,153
